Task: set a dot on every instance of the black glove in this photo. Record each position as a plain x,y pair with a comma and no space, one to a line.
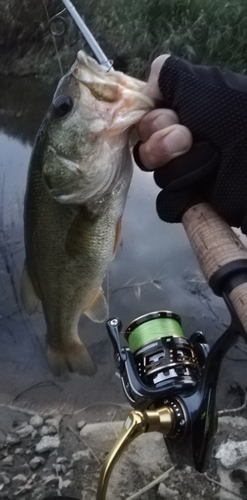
213,105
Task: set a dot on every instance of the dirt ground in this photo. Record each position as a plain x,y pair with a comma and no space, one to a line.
81,442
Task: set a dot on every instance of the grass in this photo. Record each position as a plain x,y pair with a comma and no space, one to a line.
203,31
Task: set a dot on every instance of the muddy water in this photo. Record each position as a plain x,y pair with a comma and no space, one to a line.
154,269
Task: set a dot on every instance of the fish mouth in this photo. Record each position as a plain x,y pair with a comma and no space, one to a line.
119,98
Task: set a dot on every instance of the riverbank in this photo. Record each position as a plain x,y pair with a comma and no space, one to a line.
201,32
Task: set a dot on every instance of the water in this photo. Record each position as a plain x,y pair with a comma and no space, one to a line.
154,268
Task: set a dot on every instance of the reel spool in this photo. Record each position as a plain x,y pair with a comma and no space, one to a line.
161,353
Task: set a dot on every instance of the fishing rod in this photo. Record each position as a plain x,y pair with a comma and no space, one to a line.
93,44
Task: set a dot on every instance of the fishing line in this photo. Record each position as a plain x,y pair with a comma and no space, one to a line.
142,333
54,41
108,290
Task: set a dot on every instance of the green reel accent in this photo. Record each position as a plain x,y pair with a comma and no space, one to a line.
151,327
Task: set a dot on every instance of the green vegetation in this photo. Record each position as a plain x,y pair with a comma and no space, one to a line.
131,32
203,31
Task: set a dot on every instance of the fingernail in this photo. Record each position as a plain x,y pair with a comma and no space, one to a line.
176,142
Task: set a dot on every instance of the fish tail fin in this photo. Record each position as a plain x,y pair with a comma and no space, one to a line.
72,357
29,298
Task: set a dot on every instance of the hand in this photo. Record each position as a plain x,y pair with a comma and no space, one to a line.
212,110
162,137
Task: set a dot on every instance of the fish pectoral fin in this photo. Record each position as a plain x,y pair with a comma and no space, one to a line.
117,237
98,310
77,232
29,298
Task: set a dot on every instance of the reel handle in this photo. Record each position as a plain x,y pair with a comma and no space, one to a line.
221,255
136,423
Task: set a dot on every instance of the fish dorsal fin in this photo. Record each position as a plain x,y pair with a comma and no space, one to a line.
98,310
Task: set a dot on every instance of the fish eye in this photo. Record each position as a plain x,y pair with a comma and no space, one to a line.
62,105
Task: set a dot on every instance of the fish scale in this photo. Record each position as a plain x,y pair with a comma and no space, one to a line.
78,179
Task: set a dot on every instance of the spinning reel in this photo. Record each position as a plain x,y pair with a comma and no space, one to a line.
161,369
171,383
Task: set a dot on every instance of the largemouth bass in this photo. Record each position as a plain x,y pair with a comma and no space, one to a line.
78,179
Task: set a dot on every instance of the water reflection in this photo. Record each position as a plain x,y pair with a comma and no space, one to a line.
154,269
23,104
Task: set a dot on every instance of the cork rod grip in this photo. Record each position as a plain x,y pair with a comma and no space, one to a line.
215,244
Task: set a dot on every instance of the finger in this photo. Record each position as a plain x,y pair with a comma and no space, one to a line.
152,88
165,145
157,119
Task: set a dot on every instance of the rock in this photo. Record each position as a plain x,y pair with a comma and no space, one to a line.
32,478
54,454
9,460
232,453
38,493
36,421
69,474
239,474
53,422
47,443
19,451
25,431
65,484
81,424
48,430
12,439
86,495
188,469
19,479
23,489
166,492
24,469
4,478
34,434
59,468
17,425
80,454
61,460
36,462
51,480
238,422
51,414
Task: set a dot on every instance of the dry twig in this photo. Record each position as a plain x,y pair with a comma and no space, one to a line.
85,444
148,487
107,403
223,487
224,413
17,408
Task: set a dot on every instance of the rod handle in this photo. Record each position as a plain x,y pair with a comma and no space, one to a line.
215,244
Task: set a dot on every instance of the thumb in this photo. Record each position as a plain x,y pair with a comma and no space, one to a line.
152,88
